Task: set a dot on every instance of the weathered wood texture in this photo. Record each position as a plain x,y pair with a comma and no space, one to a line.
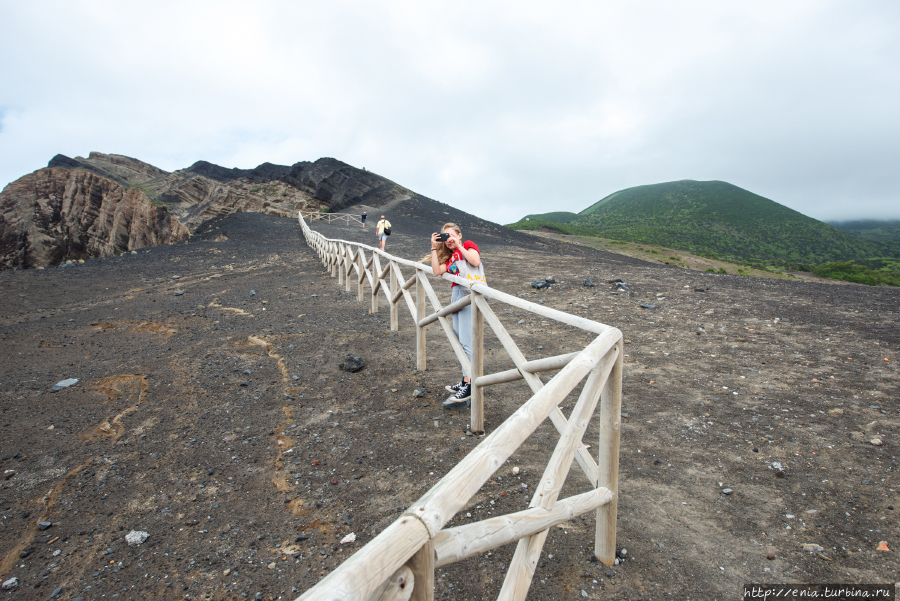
399,563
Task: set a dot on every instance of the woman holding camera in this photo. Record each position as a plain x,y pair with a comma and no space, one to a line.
449,254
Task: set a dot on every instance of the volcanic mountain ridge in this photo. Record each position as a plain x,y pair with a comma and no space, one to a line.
107,204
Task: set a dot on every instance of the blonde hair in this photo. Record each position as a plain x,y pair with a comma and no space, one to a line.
444,253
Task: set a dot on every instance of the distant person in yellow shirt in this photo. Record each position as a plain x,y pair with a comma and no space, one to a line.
383,230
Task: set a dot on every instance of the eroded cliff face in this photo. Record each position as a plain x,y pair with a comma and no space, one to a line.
56,214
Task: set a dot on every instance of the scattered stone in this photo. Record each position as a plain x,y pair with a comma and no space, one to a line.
176,277
271,566
515,470
10,584
248,372
550,280
301,537
25,552
589,284
245,383
727,491
835,412
876,441
136,537
178,292
521,321
7,474
770,556
352,364
44,525
334,480
610,573
623,553
418,393
539,284
253,293
349,538
58,591
64,384
811,548
647,306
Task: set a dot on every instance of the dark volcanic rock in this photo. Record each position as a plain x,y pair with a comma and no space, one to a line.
266,172
352,364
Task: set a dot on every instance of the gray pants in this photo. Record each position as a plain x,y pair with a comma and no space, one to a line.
462,323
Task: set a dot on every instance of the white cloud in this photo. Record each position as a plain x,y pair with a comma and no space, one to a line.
499,109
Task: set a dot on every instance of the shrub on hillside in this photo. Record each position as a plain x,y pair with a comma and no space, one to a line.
848,271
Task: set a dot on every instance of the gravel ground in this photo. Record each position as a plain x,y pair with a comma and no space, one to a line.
219,422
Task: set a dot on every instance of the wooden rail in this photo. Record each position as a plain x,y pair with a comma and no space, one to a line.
399,563
329,217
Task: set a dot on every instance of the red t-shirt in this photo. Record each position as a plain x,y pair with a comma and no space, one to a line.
452,269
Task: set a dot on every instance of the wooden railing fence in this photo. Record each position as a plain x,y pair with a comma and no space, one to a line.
399,562
329,217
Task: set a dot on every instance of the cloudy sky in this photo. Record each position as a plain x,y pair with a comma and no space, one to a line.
498,108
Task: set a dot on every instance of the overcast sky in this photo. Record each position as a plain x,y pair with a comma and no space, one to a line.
498,108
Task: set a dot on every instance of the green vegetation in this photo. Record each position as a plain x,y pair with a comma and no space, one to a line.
873,273
872,229
555,217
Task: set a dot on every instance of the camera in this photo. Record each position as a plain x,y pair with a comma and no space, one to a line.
441,237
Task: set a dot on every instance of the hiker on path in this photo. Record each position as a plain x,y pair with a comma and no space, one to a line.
452,255
383,230
364,220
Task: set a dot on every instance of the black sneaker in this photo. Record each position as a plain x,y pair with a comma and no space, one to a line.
461,398
455,388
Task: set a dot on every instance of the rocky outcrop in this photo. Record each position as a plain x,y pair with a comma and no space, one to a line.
340,186
58,214
266,172
121,169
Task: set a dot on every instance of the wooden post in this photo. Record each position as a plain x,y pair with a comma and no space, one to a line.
477,370
339,262
395,325
332,259
362,272
376,269
348,266
420,330
608,461
422,566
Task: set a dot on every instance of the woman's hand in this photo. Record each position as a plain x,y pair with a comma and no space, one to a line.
455,240
435,241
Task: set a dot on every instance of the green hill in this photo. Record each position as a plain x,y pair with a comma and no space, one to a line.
709,218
